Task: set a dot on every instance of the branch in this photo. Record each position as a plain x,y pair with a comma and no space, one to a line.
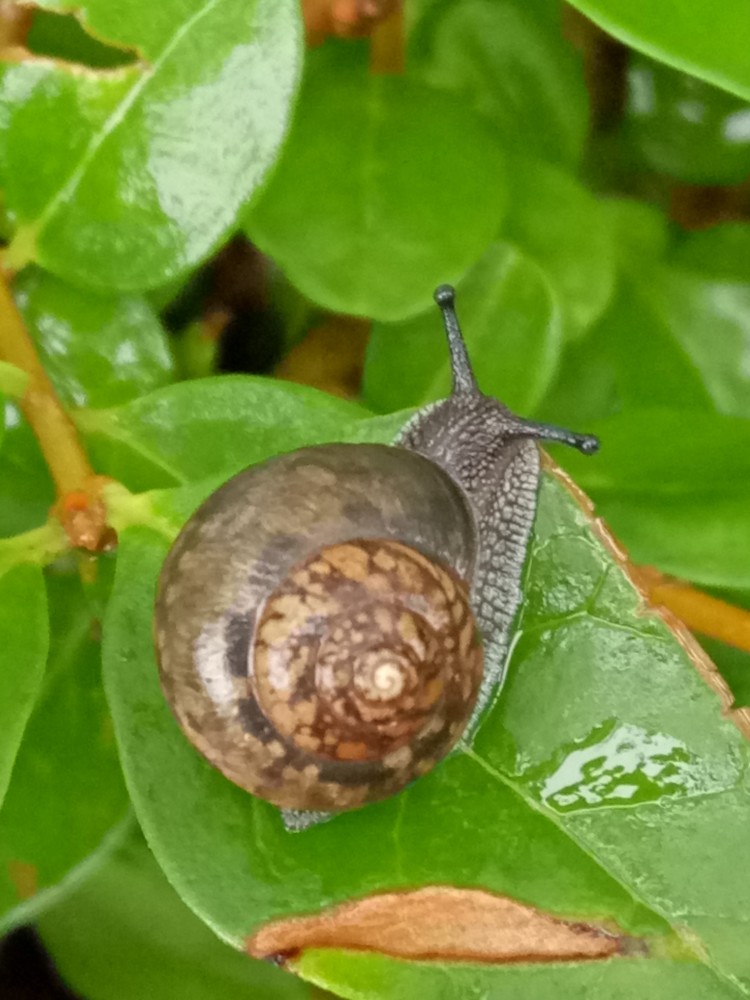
698,610
80,508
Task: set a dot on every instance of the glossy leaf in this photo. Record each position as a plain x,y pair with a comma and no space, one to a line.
689,37
558,223
379,230
513,329
125,933
513,68
97,350
684,127
24,636
66,795
124,178
214,427
588,756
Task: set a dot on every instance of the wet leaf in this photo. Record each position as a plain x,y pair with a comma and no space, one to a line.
588,756
380,231
123,178
24,637
513,330
98,350
66,794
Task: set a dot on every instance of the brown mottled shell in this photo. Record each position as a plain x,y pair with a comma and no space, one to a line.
313,625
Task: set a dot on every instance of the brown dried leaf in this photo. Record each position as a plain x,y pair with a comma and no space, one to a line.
442,922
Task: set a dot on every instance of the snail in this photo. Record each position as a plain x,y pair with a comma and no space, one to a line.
330,621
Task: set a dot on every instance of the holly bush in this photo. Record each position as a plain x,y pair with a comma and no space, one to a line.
223,223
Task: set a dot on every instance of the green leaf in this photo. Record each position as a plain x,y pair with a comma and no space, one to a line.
660,452
563,227
684,127
352,214
689,37
216,426
375,977
734,665
703,538
66,794
13,382
657,346
721,252
24,637
124,178
673,485
640,232
513,331
589,763
125,933
513,68
62,36
98,351
26,489
710,320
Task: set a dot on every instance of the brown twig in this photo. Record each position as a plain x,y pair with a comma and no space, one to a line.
80,508
388,45
15,23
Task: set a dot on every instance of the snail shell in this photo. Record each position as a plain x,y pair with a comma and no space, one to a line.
318,619
314,630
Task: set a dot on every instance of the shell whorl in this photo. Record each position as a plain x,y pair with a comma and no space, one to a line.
314,631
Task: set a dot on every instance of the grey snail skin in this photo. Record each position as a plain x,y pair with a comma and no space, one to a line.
329,621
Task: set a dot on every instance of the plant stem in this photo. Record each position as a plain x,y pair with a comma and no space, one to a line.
52,426
38,546
698,610
15,22
80,508
388,45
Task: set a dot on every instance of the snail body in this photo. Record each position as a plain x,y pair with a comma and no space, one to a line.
323,618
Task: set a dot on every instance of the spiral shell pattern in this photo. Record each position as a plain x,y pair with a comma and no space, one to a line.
367,660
